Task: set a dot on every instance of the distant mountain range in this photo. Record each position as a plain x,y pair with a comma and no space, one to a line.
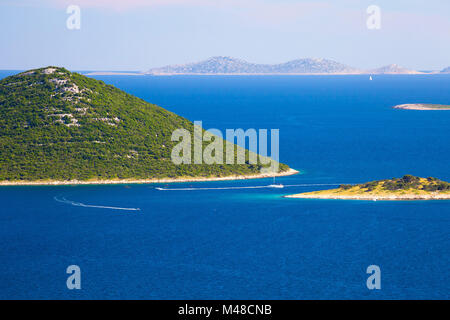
393,69
228,65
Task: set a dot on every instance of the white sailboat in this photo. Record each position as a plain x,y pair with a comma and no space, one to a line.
274,185
370,78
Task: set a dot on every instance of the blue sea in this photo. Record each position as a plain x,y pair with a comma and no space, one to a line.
252,243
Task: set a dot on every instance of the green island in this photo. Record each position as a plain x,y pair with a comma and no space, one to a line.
423,106
59,127
406,188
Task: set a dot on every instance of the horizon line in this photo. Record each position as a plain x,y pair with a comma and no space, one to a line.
147,69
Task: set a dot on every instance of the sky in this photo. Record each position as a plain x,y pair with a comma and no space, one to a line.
142,34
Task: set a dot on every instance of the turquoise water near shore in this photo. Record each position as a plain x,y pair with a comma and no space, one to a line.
252,243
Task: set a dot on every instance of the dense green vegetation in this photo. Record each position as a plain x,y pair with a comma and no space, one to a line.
58,125
407,182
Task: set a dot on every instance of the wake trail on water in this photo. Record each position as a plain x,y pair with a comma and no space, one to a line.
79,204
250,187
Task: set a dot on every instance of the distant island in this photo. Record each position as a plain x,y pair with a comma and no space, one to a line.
231,66
406,188
59,127
422,106
393,69
221,65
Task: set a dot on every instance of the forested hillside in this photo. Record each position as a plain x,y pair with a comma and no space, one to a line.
58,125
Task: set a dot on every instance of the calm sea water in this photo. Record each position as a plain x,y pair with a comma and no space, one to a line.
252,243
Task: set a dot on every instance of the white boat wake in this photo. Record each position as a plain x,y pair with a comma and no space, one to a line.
79,204
251,187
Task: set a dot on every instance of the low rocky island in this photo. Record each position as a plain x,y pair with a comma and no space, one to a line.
423,106
406,188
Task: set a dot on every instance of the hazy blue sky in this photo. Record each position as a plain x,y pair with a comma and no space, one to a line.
140,34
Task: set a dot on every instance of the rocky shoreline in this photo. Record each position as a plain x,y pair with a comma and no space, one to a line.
143,181
422,106
402,197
